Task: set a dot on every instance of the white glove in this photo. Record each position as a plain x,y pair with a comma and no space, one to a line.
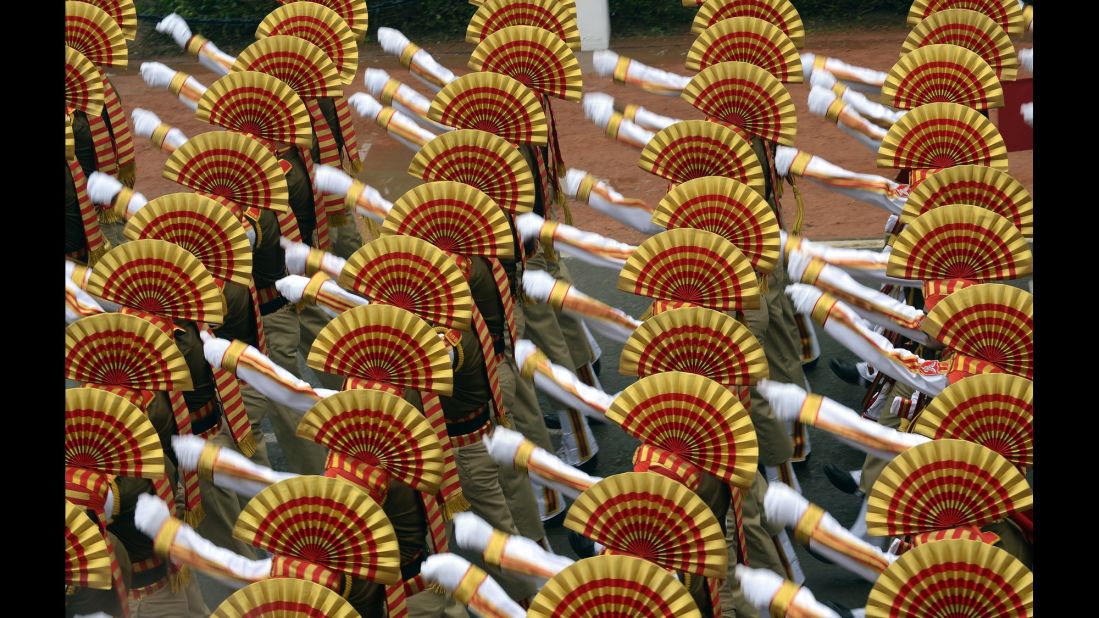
250,478
563,385
176,27
157,75
503,445
488,599
519,553
292,287
150,514
102,188
598,108
227,566
78,303
1026,58
331,180
296,254
366,105
760,585
784,505
273,381
144,122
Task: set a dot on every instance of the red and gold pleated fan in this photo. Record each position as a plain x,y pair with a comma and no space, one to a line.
976,185
233,166
320,26
747,96
381,430
285,597
323,521
695,148
115,349
202,226
944,484
70,139
695,340
557,16
491,102
942,74
691,266
300,64
953,578
123,12
158,277
693,417
481,160
83,83
1007,14
259,105
92,32
993,410
960,242
412,274
382,343
728,208
938,135
354,12
778,12
650,516
109,434
87,559
454,217
971,30
613,587
536,57
751,40
990,321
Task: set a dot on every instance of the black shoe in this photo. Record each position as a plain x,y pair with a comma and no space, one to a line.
847,371
583,546
841,479
810,364
597,367
552,421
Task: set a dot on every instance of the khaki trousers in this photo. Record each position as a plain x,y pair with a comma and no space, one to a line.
282,329
480,479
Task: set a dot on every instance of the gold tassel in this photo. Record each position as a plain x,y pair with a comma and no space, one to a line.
763,277
195,516
356,165
108,215
564,203
547,250
455,504
127,174
96,255
800,219
178,581
437,589
247,445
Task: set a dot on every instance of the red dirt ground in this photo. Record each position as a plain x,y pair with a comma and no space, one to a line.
828,215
